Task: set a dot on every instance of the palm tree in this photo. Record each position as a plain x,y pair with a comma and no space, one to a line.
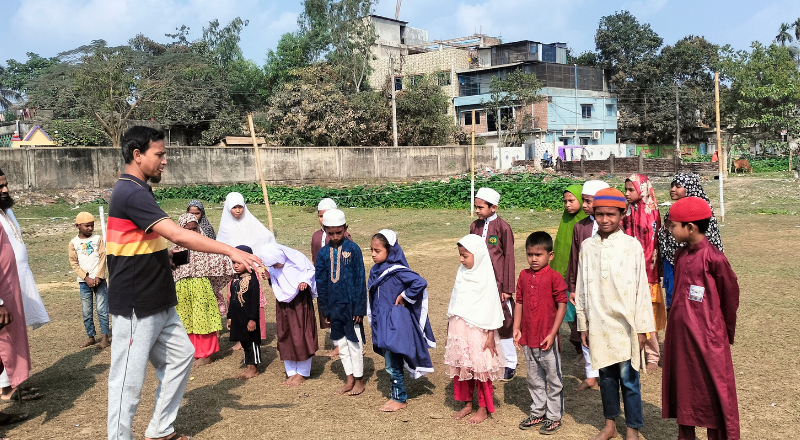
796,26
7,96
784,36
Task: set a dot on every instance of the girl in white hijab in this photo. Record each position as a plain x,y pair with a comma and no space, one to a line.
473,355
294,286
239,227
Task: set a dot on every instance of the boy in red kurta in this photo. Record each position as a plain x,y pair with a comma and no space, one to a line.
698,385
541,306
500,242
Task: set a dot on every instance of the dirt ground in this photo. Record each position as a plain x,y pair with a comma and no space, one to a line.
758,230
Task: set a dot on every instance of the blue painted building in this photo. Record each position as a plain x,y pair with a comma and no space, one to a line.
580,111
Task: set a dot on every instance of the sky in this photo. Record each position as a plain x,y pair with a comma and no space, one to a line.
48,27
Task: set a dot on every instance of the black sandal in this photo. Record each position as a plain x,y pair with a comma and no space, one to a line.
531,422
550,427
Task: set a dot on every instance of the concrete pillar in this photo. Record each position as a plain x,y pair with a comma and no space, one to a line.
583,165
611,164
95,168
641,161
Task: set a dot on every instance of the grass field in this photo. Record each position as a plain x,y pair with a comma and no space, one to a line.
758,232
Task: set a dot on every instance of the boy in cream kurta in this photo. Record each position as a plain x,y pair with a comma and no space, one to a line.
614,312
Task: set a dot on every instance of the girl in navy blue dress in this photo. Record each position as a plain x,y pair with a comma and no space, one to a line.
398,301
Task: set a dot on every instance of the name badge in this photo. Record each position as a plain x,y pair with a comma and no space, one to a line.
696,293
493,239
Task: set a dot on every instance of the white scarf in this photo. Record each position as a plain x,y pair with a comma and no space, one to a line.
296,269
475,298
245,231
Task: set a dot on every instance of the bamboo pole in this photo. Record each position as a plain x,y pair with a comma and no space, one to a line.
719,148
472,171
260,173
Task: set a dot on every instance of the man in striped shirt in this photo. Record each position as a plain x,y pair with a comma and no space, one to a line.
141,293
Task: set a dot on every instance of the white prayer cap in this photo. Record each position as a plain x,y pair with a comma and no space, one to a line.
489,195
390,235
591,187
333,217
326,204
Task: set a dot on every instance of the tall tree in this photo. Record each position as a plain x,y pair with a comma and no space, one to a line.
764,96
784,36
510,97
352,37
422,117
294,51
222,42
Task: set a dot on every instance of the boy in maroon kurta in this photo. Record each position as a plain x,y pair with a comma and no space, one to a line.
698,385
500,241
582,230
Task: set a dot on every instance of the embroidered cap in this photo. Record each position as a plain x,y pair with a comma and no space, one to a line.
590,187
326,204
390,235
84,217
489,195
689,209
333,217
610,197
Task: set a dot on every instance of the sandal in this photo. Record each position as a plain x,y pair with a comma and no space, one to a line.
531,422
27,396
550,427
8,419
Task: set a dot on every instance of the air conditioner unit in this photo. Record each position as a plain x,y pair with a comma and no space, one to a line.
596,134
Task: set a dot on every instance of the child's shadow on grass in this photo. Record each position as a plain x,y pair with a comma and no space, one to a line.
204,405
63,383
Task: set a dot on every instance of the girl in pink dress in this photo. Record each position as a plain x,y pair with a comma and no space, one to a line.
473,355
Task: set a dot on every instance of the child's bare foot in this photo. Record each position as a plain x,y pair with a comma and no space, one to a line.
631,434
89,342
588,383
481,415
608,432
238,346
348,385
465,411
295,380
652,367
104,343
248,373
199,362
358,387
333,353
392,406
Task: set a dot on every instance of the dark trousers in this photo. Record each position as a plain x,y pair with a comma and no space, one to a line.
686,432
394,366
252,353
614,377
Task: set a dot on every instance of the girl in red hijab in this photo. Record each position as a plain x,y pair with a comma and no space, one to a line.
643,222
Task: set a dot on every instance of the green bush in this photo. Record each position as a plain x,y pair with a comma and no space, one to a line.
763,164
518,191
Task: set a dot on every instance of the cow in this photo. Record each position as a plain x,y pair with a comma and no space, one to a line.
742,164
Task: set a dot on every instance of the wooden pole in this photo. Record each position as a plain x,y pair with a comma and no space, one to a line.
394,100
719,148
260,173
472,172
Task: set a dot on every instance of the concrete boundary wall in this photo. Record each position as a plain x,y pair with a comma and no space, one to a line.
99,167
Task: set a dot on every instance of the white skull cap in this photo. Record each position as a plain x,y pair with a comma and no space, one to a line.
326,204
488,194
333,217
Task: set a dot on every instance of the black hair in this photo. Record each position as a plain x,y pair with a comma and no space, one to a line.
702,225
380,237
540,238
487,203
674,184
138,138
